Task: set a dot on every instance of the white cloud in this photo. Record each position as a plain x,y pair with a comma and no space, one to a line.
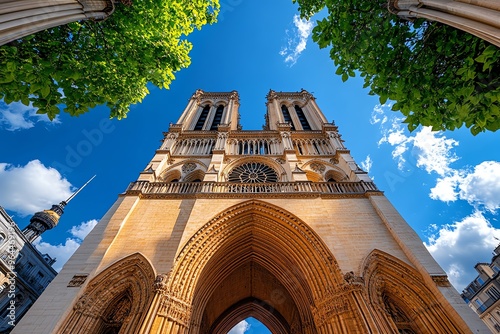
378,114
482,186
240,328
393,135
434,151
459,246
367,164
297,43
62,252
445,189
31,188
82,230
17,116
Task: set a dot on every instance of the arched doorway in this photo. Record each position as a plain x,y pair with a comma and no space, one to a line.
255,259
400,299
115,301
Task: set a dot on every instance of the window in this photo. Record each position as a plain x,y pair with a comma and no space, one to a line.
302,118
217,118
203,118
286,116
253,172
2,238
493,293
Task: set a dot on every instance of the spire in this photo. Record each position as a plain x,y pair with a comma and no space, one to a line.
48,219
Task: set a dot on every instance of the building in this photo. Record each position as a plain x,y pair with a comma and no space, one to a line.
279,224
24,272
483,294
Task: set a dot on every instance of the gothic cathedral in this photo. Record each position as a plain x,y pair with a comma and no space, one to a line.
278,224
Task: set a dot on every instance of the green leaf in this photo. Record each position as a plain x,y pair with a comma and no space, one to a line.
45,90
427,68
103,63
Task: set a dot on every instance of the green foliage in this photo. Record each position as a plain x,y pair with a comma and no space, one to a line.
439,76
85,64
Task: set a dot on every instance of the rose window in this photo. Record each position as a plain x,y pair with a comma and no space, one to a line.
253,172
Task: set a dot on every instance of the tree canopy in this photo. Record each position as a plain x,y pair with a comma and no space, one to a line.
84,64
437,75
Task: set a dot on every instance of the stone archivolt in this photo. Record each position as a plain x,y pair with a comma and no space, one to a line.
401,300
275,246
118,297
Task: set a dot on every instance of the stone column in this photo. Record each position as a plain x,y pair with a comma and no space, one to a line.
167,314
20,18
478,17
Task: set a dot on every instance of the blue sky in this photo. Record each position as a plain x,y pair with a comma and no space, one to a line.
446,185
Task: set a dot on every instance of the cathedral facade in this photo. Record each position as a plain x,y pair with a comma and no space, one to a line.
278,224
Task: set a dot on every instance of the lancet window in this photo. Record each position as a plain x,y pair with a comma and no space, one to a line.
202,118
302,118
217,118
286,116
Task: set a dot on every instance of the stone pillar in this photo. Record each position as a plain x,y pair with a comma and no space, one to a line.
478,17
20,18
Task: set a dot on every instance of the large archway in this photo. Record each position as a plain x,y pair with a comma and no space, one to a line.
255,259
401,301
115,301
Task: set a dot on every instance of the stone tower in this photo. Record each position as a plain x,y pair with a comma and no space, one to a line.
279,224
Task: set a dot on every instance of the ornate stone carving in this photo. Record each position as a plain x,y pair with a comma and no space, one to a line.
160,284
334,160
188,167
280,160
332,305
77,280
441,280
175,309
352,279
197,95
172,136
234,95
318,167
84,306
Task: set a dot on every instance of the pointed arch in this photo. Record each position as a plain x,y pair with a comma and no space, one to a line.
335,174
253,242
195,176
115,300
171,175
401,299
253,307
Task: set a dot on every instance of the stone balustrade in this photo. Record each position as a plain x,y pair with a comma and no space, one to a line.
211,189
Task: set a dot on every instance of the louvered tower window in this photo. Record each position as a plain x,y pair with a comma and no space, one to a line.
302,118
217,117
203,118
286,116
